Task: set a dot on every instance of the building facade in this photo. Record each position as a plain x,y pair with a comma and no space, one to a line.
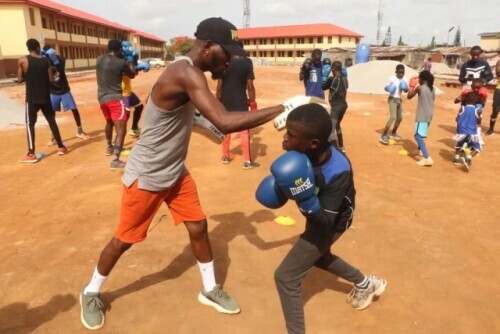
79,36
290,44
490,41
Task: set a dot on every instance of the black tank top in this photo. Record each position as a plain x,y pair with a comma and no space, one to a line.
37,81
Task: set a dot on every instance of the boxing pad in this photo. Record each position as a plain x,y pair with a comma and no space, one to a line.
203,126
413,83
291,104
403,86
269,194
52,56
253,106
391,88
294,175
143,67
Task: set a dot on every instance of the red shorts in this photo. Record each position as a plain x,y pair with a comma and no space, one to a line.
114,111
139,207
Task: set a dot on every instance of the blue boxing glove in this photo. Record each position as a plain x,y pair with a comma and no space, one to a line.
403,86
127,51
269,194
294,175
326,72
143,67
391,88
52,56
344,72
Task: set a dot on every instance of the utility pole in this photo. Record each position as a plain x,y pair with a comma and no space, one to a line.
380,16
246,13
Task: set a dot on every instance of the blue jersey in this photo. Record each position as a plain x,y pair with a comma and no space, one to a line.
313,81
467,120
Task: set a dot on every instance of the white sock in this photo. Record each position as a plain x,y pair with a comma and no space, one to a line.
363,284
479,131
207,275
95,283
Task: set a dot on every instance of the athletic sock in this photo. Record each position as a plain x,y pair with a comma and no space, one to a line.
364,284
207,275
95,283
80,130
492,123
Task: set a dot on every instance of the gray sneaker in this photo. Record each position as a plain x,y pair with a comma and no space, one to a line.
362,298
117,164
250,164
219,299
91,314
109,150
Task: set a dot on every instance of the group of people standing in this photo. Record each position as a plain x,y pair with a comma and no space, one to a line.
474,74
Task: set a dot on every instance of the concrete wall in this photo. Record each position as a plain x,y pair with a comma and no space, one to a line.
13,34
490,43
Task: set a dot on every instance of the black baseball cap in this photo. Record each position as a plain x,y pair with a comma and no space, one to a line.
222,32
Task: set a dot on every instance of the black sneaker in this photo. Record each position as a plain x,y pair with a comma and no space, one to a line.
250,164
225,160
489,132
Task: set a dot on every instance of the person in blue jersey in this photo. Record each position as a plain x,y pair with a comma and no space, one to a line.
319,178
311,73
468,144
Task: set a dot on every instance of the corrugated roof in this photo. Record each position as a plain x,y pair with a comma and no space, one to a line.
81,15
303,30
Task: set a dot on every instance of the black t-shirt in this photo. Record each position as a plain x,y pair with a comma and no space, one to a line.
234,84
60,85
37,80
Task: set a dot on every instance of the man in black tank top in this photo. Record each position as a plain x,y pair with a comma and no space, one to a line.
36,71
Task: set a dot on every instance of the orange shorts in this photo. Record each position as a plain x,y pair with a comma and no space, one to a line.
139,207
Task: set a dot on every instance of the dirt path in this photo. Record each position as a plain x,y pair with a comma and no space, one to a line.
432,233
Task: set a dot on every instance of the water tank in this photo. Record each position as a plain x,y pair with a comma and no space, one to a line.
362,53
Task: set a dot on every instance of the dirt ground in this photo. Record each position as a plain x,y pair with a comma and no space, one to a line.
431,232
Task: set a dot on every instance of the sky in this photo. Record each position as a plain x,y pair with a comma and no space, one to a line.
415,21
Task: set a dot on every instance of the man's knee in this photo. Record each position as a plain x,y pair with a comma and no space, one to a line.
119,246
197,230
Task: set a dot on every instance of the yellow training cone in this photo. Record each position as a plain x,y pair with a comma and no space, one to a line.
285,220
403,152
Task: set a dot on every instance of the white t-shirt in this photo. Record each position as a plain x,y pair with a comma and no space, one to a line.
394,80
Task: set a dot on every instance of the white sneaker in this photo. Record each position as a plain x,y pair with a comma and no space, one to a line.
362,298
425,162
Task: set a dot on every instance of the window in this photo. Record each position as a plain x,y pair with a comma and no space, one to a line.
320,39
290,54
32,16
44,23
311,40
272,53
254,54
340,39
300,40
290,41
329,39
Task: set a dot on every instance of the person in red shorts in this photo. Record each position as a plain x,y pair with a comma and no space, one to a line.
109,71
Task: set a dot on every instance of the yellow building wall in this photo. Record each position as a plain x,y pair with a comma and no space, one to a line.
490,44
13,33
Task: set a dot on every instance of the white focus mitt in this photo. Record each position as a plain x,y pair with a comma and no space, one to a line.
291,104
204,127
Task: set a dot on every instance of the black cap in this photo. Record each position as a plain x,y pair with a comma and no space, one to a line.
222,32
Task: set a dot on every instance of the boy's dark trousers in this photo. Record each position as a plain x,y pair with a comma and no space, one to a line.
311,249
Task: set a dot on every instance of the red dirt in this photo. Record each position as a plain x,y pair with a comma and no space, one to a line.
432,232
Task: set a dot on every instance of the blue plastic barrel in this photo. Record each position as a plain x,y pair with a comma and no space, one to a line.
362,53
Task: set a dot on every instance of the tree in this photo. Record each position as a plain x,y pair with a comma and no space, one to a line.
433,43
180,45
388,38
400,42
456,41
